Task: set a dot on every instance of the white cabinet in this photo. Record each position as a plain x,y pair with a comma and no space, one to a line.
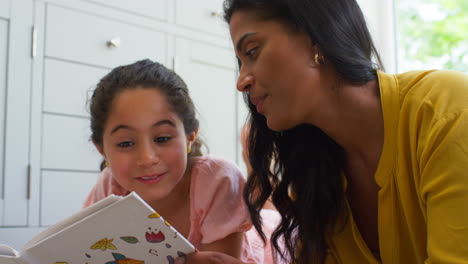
203,15
50,163
210,74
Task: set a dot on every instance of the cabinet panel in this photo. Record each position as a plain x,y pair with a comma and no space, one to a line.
63,193
4,8
150,8
66,144
203,15
17,114
67,92
85,38
212,89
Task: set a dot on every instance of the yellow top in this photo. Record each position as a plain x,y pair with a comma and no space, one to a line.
423,174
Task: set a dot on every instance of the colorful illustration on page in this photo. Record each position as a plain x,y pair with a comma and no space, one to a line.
104,244
121,259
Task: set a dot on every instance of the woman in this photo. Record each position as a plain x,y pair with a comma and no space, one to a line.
369,167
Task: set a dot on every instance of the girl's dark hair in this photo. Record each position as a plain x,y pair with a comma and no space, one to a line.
306,181
144,74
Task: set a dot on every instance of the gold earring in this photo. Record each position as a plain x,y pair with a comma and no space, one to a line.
106,163
189,149
318,59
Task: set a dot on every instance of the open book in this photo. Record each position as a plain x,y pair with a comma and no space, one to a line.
115,230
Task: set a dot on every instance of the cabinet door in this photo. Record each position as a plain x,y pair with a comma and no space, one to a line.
84,38
3,62
17,114
63,193
210,73
203,15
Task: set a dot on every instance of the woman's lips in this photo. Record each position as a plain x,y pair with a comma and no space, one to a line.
258,102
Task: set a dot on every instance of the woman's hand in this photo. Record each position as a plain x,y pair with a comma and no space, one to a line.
208,257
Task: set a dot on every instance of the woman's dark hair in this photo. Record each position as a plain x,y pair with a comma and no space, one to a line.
144,74
306,181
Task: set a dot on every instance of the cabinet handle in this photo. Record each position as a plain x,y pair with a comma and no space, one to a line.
28,191
113,43
216,14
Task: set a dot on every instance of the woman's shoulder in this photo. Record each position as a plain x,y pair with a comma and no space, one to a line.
441,92
433,81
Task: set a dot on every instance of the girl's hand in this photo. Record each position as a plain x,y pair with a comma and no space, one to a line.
208,257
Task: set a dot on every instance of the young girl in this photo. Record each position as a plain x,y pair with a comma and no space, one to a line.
143,123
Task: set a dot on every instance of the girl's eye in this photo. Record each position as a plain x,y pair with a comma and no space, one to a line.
250,52
161,139
125,144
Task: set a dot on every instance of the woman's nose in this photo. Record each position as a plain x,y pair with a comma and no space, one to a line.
245,82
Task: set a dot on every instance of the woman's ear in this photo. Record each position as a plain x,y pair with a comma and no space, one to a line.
317,56
312,55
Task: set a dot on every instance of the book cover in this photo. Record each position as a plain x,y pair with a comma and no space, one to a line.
115,230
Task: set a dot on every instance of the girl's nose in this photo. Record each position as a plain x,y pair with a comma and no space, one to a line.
148,156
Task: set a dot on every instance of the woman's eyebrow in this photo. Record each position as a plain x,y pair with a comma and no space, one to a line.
241,40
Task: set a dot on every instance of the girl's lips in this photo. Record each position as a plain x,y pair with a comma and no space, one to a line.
151,179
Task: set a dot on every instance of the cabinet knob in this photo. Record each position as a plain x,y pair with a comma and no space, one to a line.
113,43
216,14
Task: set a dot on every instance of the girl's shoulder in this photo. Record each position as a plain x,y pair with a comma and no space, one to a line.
214,167
212,176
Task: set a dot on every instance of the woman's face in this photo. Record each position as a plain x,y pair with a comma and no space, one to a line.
145,144
277,69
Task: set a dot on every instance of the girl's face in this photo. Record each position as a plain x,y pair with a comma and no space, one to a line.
277,69
145,144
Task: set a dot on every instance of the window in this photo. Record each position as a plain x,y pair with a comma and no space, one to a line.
432,34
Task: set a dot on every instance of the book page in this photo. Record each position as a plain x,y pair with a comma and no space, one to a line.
8,255
7,251
78,216
126,231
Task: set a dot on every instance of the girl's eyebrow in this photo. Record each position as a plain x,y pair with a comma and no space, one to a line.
159,123
164,122
241,40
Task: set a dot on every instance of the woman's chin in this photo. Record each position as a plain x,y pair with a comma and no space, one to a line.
277,126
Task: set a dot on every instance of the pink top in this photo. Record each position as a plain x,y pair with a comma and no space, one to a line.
217,208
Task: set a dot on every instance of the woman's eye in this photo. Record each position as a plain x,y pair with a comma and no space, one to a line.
250,52
161,139
125,144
